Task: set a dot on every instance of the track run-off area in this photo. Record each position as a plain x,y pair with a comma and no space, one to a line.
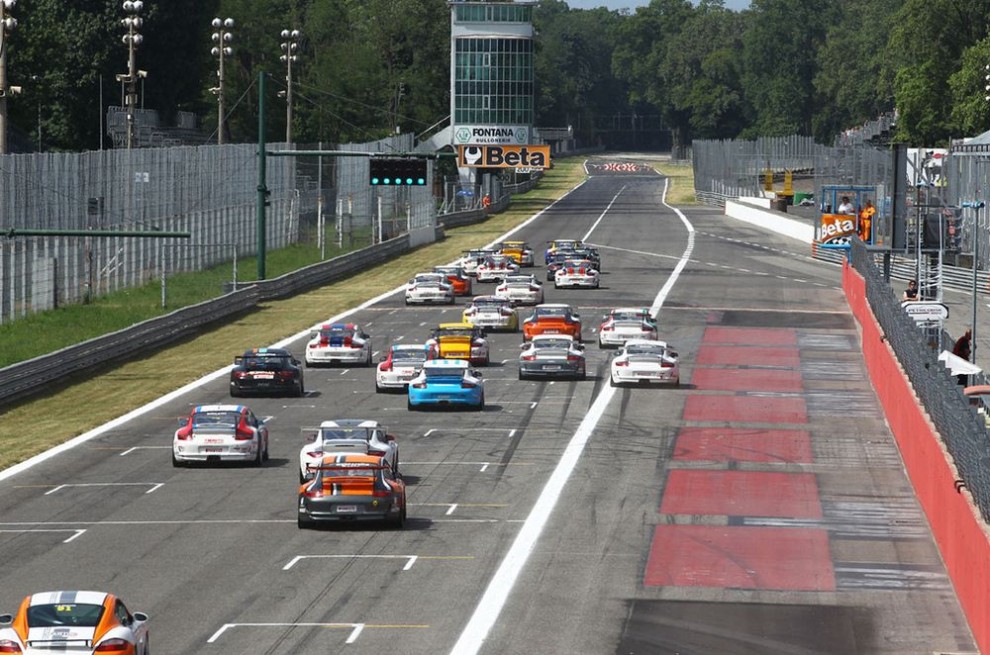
761,507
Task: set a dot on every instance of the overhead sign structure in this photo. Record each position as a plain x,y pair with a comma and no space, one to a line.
926,311
491,135
530,156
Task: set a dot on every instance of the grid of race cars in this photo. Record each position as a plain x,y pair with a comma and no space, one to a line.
349,468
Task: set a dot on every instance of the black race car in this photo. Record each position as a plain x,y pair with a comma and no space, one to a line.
267,371
591,254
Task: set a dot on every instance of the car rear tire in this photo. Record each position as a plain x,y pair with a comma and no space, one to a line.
176,463
266,457
378,388
234,393
612,382
521,376
481,405
410,406
304,523
302,478
259,455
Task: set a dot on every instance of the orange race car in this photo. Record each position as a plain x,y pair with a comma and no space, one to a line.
458,278
552,319
352,488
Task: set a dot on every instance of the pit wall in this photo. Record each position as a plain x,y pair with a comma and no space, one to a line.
753,214
956,524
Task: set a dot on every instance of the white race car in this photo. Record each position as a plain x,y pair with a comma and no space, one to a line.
430,288
67,622
473,258
214,433
401,364
645,361
576,273
521,290
624,323
495,268
347,437
492,313
339,342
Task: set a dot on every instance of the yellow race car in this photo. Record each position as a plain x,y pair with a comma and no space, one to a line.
460,341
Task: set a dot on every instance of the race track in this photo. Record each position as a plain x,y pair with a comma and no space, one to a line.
760,508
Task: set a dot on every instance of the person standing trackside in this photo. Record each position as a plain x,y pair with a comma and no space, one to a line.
911,293
962,349
866,215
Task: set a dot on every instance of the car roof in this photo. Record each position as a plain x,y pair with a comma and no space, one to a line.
267,352
68,598
349,423
446,363
218,408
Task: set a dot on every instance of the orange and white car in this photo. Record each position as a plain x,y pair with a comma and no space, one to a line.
458,278
352,488
552,319
74,622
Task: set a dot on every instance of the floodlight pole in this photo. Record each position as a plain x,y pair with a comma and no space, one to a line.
262,185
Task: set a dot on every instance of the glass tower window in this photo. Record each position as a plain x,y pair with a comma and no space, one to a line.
493,81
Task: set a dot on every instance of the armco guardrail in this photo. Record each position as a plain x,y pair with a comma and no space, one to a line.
26,378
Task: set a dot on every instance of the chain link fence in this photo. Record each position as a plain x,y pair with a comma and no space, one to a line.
962,428
208,191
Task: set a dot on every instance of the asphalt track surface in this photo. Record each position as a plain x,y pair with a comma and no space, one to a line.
759,508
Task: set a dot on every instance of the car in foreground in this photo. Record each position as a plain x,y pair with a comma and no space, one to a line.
460,341
552,356
339,343
560,244
520,289
492,313
644,361
577,273
519,251
447,383
553,318
624,323
267,371
352,488
495,268
220,433
67,622
400,364
429,288
348,437
458,278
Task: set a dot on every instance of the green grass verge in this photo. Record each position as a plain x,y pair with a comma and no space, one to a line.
32,427
681,190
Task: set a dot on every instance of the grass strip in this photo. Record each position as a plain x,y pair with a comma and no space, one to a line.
37,425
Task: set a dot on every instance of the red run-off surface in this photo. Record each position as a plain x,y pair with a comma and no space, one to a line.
737,556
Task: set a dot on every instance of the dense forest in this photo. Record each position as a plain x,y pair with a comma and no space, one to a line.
369,67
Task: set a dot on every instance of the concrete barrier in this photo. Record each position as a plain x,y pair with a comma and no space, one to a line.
960,533
747,213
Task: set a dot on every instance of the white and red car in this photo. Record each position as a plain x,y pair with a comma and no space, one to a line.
624,323
401,364
521,289
344,343
429,288
348,436
495,268
645,361
576,273
220,433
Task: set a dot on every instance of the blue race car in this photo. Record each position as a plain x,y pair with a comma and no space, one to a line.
447,383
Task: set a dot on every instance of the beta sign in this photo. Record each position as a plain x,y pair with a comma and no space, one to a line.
503,156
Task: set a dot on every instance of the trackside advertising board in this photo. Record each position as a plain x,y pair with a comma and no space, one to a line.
503,156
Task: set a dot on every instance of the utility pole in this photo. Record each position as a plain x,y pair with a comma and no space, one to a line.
222,36
7,25
290,42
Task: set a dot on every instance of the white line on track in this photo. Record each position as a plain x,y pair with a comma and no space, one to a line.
154,486
595,224
131,450
356,628
75,536
497,593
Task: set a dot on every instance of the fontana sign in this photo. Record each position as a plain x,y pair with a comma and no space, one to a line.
530,156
